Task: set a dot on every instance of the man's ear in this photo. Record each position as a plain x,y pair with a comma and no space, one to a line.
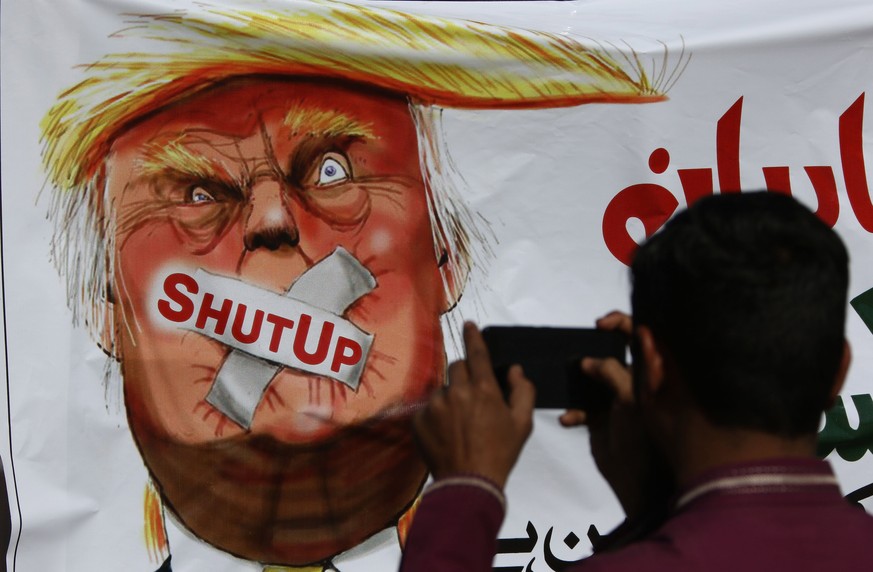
653,359
453,275
842,371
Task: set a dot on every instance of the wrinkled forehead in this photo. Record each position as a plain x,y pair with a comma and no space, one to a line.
245,107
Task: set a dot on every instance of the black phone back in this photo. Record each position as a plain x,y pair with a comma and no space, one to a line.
550,358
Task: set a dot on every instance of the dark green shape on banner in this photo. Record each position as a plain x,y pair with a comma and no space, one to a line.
863,304
850,444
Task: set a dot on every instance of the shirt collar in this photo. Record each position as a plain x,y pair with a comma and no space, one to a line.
762,476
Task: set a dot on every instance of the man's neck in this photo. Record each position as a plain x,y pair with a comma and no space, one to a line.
702,447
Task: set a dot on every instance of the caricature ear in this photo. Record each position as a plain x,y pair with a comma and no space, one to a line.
453,274
106,331
104,313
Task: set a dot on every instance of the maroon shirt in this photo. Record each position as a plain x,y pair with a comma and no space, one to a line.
785,515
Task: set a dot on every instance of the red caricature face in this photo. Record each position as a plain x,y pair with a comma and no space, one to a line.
256,182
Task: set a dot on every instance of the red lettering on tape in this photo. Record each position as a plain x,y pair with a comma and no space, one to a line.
279,325
302,335
214,312
254,332
220,315
171,289
341,358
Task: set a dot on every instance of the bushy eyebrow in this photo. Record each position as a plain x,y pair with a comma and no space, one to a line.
174,157
324,123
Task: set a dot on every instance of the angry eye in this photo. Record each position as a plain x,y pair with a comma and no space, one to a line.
334,169
200,195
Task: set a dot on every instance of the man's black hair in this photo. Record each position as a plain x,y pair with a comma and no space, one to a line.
747,294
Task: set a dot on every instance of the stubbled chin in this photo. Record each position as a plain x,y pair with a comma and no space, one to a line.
265,500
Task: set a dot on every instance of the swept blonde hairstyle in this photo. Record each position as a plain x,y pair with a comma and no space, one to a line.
437,62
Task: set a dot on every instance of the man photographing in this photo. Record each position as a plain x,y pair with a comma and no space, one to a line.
738,345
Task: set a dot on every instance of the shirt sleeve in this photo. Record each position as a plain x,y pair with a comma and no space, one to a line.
455,527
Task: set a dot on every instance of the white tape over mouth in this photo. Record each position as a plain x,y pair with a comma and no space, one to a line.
304,329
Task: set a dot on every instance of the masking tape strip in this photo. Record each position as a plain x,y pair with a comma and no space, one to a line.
314,304
240,385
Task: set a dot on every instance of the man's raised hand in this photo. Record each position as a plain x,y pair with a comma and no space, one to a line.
467,427
621,447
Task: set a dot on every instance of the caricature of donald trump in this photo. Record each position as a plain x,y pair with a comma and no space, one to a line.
258,220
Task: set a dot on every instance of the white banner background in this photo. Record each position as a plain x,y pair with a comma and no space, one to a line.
542,179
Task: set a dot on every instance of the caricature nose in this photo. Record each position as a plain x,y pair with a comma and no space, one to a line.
270,223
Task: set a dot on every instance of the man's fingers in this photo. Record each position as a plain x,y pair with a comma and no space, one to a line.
420,427
573,418
522,396
613,373
458,374
616,320
478,360
418,422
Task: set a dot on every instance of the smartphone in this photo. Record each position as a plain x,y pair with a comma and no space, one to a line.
550,358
